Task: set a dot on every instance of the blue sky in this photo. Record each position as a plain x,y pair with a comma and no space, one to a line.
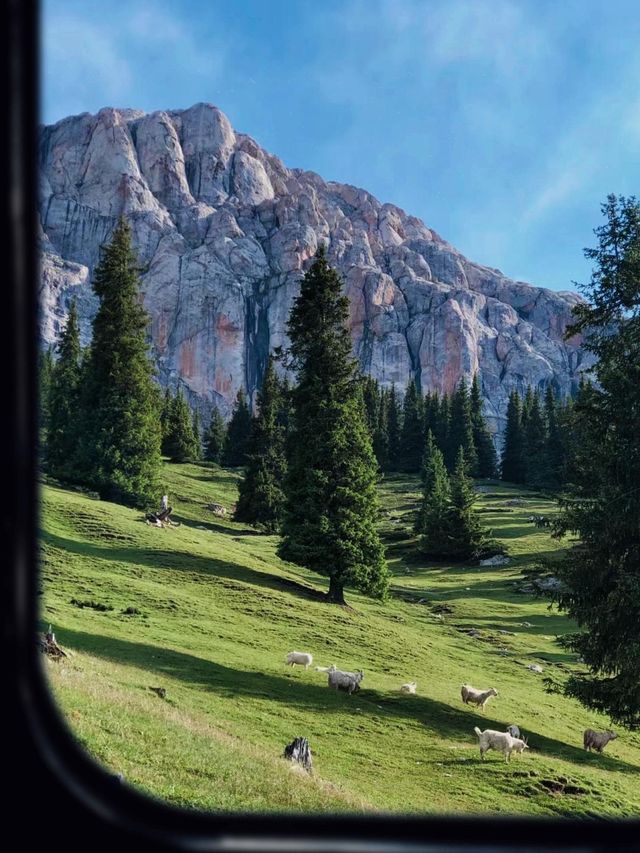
503,124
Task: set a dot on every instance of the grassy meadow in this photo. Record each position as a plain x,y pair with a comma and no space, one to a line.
207,611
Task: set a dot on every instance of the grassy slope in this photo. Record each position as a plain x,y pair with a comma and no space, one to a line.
218,613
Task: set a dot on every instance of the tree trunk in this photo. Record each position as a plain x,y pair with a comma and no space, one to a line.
336,591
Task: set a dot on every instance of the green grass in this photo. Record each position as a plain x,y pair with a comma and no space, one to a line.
218,611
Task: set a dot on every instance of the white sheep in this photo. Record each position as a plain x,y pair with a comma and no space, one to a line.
502,741
479,698
331,668
347,681
597,740
301,658
408,688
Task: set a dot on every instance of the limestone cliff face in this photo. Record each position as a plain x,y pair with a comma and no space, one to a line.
224,232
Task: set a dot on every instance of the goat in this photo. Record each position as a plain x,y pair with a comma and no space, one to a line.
301,658
347,681
479,698
501,741
410,687
513,730
597,740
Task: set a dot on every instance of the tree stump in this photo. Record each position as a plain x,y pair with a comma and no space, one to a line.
49,646
298,750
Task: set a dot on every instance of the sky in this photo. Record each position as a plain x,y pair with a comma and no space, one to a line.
502,124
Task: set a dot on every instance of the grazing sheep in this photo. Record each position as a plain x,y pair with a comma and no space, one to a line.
301,658
597,740
347,681
479,698
331,668
513,730
501,741
410,687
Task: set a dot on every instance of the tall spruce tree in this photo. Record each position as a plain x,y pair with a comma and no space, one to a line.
553,462
165,417
63,402
513,461
443,421
394,428
487,459
180,442
412,434
261,496
121,439
601,573
461,430
467,537
45,375
381,434
214,438
331,507
433,518
237,437
197,435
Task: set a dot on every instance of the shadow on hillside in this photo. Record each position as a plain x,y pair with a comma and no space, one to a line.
184,561
291,690
216,527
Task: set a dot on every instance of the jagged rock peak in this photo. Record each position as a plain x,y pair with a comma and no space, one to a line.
224,232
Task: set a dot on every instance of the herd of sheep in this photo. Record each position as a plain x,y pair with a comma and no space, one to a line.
505,742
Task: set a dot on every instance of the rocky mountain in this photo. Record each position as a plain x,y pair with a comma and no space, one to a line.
224,232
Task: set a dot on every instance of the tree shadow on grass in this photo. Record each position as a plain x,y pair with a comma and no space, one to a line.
437,717
160,559
216,527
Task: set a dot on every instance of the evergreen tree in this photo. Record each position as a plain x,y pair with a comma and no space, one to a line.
467,539
394,428
197,435
261,496
461,430
63,403
552,466
121,439
45,376
371,398
513,462
214,438
381,435
412,435
331,508
441,431
180,442
165,417
432,523
535,443
237,438
487,460
600,575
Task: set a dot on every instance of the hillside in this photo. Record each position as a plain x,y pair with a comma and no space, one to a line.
215,612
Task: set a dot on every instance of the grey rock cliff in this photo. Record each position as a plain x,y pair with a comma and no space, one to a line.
224,232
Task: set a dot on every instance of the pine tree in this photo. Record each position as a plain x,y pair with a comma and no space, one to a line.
441,431
535,443
261,496
600,575
165,417
432,522
63,402
371,398
234,453
487,460
331,508
412,435
121,439
197,435
513,462
461,430
394,428
180,442
214,438
466,537
381,434
45,377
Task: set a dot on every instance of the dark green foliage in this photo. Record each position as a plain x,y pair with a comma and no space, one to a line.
237,438
380,439
442,423
601,574
261,495
412,434
487,460
467,538
331,509
214,438
432,521
121,429
535,444
180,443
461,430
197,435
63,398
165,417
394,427
45,377
513,450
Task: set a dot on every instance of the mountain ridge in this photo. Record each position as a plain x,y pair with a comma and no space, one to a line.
224,231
